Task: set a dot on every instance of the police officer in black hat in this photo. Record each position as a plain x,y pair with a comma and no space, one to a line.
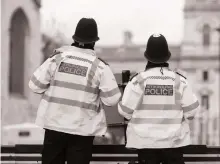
75,84
159,103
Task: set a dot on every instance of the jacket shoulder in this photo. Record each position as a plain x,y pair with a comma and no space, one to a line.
131,78
103,61
55,52
180,73
139,78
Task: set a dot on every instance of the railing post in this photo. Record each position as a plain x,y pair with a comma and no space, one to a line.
218,30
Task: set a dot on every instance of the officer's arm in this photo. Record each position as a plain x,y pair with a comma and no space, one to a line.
132,98
190,104
109,91
40,79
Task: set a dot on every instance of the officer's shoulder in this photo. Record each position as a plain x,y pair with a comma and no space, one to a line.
131,78
103,61
180,73
55,52
138,78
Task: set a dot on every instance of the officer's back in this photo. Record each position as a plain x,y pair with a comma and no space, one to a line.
159,103
75,84
79,81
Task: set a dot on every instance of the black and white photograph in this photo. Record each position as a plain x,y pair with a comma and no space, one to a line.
110,81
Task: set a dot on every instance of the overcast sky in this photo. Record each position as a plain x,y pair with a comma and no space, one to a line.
141,17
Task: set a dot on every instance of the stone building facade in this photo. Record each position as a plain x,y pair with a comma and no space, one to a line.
200,57
20,55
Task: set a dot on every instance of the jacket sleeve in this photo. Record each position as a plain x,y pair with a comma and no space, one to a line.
190,103
132,98
109,91
40,80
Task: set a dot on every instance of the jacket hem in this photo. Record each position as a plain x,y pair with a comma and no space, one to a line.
154,147
73,132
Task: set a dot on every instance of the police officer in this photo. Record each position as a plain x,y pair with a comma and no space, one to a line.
75,84
159,103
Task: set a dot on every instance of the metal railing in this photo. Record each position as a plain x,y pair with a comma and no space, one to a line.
113,153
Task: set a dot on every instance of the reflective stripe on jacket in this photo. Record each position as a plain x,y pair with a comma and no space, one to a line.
74,84
159,107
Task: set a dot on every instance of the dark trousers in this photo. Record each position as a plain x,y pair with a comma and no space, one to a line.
60,147
158,156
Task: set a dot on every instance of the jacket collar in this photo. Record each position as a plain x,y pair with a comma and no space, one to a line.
152,65
73,48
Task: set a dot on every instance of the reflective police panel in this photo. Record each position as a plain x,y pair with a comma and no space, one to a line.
161,90
73,69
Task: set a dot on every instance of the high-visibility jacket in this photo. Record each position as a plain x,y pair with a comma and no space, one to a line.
75,84
158,107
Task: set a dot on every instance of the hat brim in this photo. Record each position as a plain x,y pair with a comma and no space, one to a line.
158,60
77,39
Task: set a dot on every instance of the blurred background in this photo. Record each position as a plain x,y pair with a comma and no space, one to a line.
32,29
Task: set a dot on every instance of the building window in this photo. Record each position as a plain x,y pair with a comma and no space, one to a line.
205,101
205,76
206,35
18,32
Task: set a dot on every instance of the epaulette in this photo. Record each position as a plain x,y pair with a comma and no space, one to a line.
55,52
103,61
181,75
179,72
133,76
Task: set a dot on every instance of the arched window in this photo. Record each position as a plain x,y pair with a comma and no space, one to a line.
206,35
19,32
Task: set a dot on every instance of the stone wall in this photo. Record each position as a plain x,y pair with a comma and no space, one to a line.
14,108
